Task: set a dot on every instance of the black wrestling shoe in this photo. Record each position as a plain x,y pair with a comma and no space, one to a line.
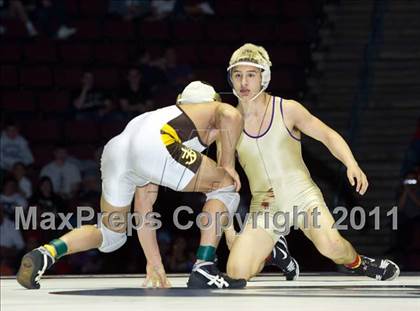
379,269
280,257
206,275
33,266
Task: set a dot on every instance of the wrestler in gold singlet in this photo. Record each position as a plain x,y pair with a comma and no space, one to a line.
280,180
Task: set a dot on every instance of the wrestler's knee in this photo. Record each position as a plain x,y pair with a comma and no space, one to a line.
242,267
239,270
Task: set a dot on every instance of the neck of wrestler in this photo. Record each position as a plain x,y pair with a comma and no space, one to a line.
254,107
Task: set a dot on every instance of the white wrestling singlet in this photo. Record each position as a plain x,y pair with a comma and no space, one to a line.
161,146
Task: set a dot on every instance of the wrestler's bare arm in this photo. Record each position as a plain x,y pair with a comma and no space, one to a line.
230,123
144,199
143,204
310,125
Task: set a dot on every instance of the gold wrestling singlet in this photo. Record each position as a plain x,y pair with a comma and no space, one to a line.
279,179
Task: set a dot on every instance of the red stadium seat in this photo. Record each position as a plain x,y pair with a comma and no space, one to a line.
81,151
107,78
215,76
119,30
297,8
188,31
116,54
42,131
72,7
285,55
254,31
76,53
14,28
40,51
87,29
43,154
290,32
93,8
54,101
267,7
10,52
230,8
37,76
223,31
154,31
18,101
282,81
9,76
215,54
81,132
186,54
68,77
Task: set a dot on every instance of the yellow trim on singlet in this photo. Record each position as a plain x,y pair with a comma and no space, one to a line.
169,135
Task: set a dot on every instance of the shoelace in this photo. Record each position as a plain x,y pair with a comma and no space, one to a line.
45,255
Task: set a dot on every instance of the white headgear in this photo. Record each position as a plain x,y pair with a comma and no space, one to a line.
197,92
252,55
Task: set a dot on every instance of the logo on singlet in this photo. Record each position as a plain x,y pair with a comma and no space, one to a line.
189,155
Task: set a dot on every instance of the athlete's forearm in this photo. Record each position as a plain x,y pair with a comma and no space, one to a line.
230,123
143,204
340,149
148,241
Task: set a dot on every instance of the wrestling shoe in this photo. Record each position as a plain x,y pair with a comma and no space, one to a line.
206,275
280,257
33,266
379,269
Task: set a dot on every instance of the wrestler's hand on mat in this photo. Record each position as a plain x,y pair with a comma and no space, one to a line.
358,178
232,172
156,276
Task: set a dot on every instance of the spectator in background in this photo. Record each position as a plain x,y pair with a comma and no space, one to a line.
11,245
91,103
49,11
180,9
64,175
152,70
18,10
134,97
198,7
10,198
161,9
25,185
13,147
129,9
91,165
193,8
178,75
45,199
90,193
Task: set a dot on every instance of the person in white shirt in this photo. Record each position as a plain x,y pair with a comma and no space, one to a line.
10,237
13,148
25,185
11,244
64,175
10,198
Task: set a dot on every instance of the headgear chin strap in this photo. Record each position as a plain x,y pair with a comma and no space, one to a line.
251,55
